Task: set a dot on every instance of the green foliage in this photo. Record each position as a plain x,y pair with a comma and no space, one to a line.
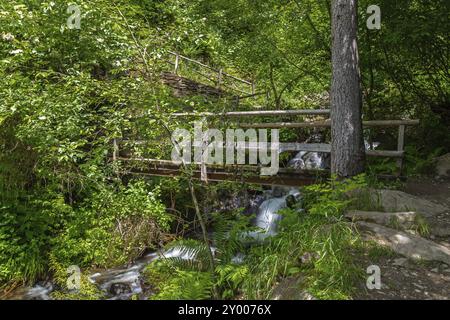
26,232
114,227
330,199
65,94
330,276
230,277
173,283
417,164
192,262
320,232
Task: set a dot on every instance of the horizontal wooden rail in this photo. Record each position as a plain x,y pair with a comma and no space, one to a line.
265,113
327,123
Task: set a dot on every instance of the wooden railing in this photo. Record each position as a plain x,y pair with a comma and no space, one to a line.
316,147
218,77
286,175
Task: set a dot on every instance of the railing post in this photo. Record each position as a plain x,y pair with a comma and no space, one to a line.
401,147
219,79
115,150
177,62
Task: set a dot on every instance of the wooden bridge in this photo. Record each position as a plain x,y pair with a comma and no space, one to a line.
249,173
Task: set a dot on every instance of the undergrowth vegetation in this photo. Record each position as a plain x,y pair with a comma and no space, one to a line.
315,244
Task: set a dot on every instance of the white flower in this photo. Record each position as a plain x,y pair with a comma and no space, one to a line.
7,36
100,40
42,118
14,52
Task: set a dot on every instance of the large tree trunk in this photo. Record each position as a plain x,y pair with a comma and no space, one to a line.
348,152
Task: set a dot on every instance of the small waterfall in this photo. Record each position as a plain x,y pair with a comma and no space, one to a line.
318,160
267,218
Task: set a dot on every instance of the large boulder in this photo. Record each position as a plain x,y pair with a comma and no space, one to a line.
398,201
409,245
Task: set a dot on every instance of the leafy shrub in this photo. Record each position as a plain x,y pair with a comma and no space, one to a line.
114,227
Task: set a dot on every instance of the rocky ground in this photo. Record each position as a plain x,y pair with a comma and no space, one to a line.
420,269
414,223
403,276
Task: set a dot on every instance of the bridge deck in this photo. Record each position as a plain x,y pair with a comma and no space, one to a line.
242,173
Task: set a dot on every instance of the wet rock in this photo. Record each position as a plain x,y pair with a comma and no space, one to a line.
119,288
411,246
279,191
439,228
398,201
443,166
291,201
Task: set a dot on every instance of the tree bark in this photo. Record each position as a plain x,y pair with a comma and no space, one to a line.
348,152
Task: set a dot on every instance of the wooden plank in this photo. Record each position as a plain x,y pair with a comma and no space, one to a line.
177,62
254,114
115,150
400,147
286,125
384,153
250,169
236,78
327,123
390,123
309,147
193,61
278,180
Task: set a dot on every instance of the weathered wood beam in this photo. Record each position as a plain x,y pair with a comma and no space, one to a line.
309,147
327,123
278,180
254,113
255,169
385,153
